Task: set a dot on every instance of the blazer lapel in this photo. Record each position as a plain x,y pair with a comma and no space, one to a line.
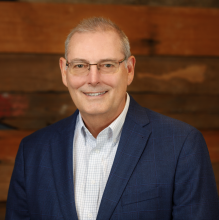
132,143
62,159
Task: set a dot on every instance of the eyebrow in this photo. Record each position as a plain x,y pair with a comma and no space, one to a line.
86,61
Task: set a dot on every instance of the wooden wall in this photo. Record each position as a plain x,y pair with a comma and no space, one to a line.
177,71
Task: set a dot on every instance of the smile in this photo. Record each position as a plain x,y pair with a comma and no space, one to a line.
95,94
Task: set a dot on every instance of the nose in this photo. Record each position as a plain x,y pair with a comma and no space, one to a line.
94,75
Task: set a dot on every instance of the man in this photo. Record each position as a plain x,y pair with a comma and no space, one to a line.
112,159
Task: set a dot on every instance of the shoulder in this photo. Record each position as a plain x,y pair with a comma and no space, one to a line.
160,121
167,127
46,134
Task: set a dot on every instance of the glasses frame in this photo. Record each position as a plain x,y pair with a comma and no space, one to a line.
90,64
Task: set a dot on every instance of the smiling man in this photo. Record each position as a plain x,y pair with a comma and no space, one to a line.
97,74
112,159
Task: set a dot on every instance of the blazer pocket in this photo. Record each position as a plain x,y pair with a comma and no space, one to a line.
139,197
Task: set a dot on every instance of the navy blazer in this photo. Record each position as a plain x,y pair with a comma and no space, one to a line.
161,170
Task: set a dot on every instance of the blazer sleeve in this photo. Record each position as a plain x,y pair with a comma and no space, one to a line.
17,207
195,193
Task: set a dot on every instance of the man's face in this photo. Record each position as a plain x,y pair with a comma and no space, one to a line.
109,89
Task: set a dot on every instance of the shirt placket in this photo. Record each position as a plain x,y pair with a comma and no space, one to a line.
92,182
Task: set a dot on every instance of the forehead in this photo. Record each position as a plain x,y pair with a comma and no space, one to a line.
94,46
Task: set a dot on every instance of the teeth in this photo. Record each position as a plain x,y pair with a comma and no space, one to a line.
95,94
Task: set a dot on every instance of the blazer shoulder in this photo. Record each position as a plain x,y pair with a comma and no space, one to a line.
45,134
161,122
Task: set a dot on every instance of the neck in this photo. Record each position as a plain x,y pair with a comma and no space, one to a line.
96,123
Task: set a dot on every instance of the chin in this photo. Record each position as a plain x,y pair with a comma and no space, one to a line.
93,111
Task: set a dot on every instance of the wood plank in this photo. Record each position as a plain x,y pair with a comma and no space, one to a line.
5,177
48,25
198,120
9,142
2,210
30,73
155,74
43,27
215,166
181,3
212,141
37,110
176,75
46,104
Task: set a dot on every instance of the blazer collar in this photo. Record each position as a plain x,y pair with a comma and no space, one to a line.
133,140
132,143
62,159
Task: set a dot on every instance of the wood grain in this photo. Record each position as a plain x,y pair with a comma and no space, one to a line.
9,142
215,166
5,176
176,75
37,110
43,27
212,141
156,74
2,210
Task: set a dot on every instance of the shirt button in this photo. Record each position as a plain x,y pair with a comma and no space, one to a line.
89,215
93,182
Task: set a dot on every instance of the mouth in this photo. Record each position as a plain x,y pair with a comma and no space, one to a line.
95,93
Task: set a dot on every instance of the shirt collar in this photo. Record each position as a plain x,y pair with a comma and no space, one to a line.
115,126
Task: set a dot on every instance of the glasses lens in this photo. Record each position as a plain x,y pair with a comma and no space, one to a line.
78,68
108,67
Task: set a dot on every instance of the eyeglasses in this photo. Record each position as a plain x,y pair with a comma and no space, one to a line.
81,68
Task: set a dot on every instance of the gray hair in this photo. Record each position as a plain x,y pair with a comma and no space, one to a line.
96,24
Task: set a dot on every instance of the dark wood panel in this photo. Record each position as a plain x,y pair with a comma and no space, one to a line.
21,72
37,110
2,210
51,104
43,27
198,120
215,166
212,141
156,74
9,142
5,176
176,75
182,3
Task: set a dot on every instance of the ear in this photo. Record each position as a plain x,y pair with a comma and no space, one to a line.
62,65
131,69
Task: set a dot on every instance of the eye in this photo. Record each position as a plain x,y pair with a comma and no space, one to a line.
80,66
107,65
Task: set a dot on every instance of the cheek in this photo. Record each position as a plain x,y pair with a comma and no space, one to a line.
118,81
75,82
